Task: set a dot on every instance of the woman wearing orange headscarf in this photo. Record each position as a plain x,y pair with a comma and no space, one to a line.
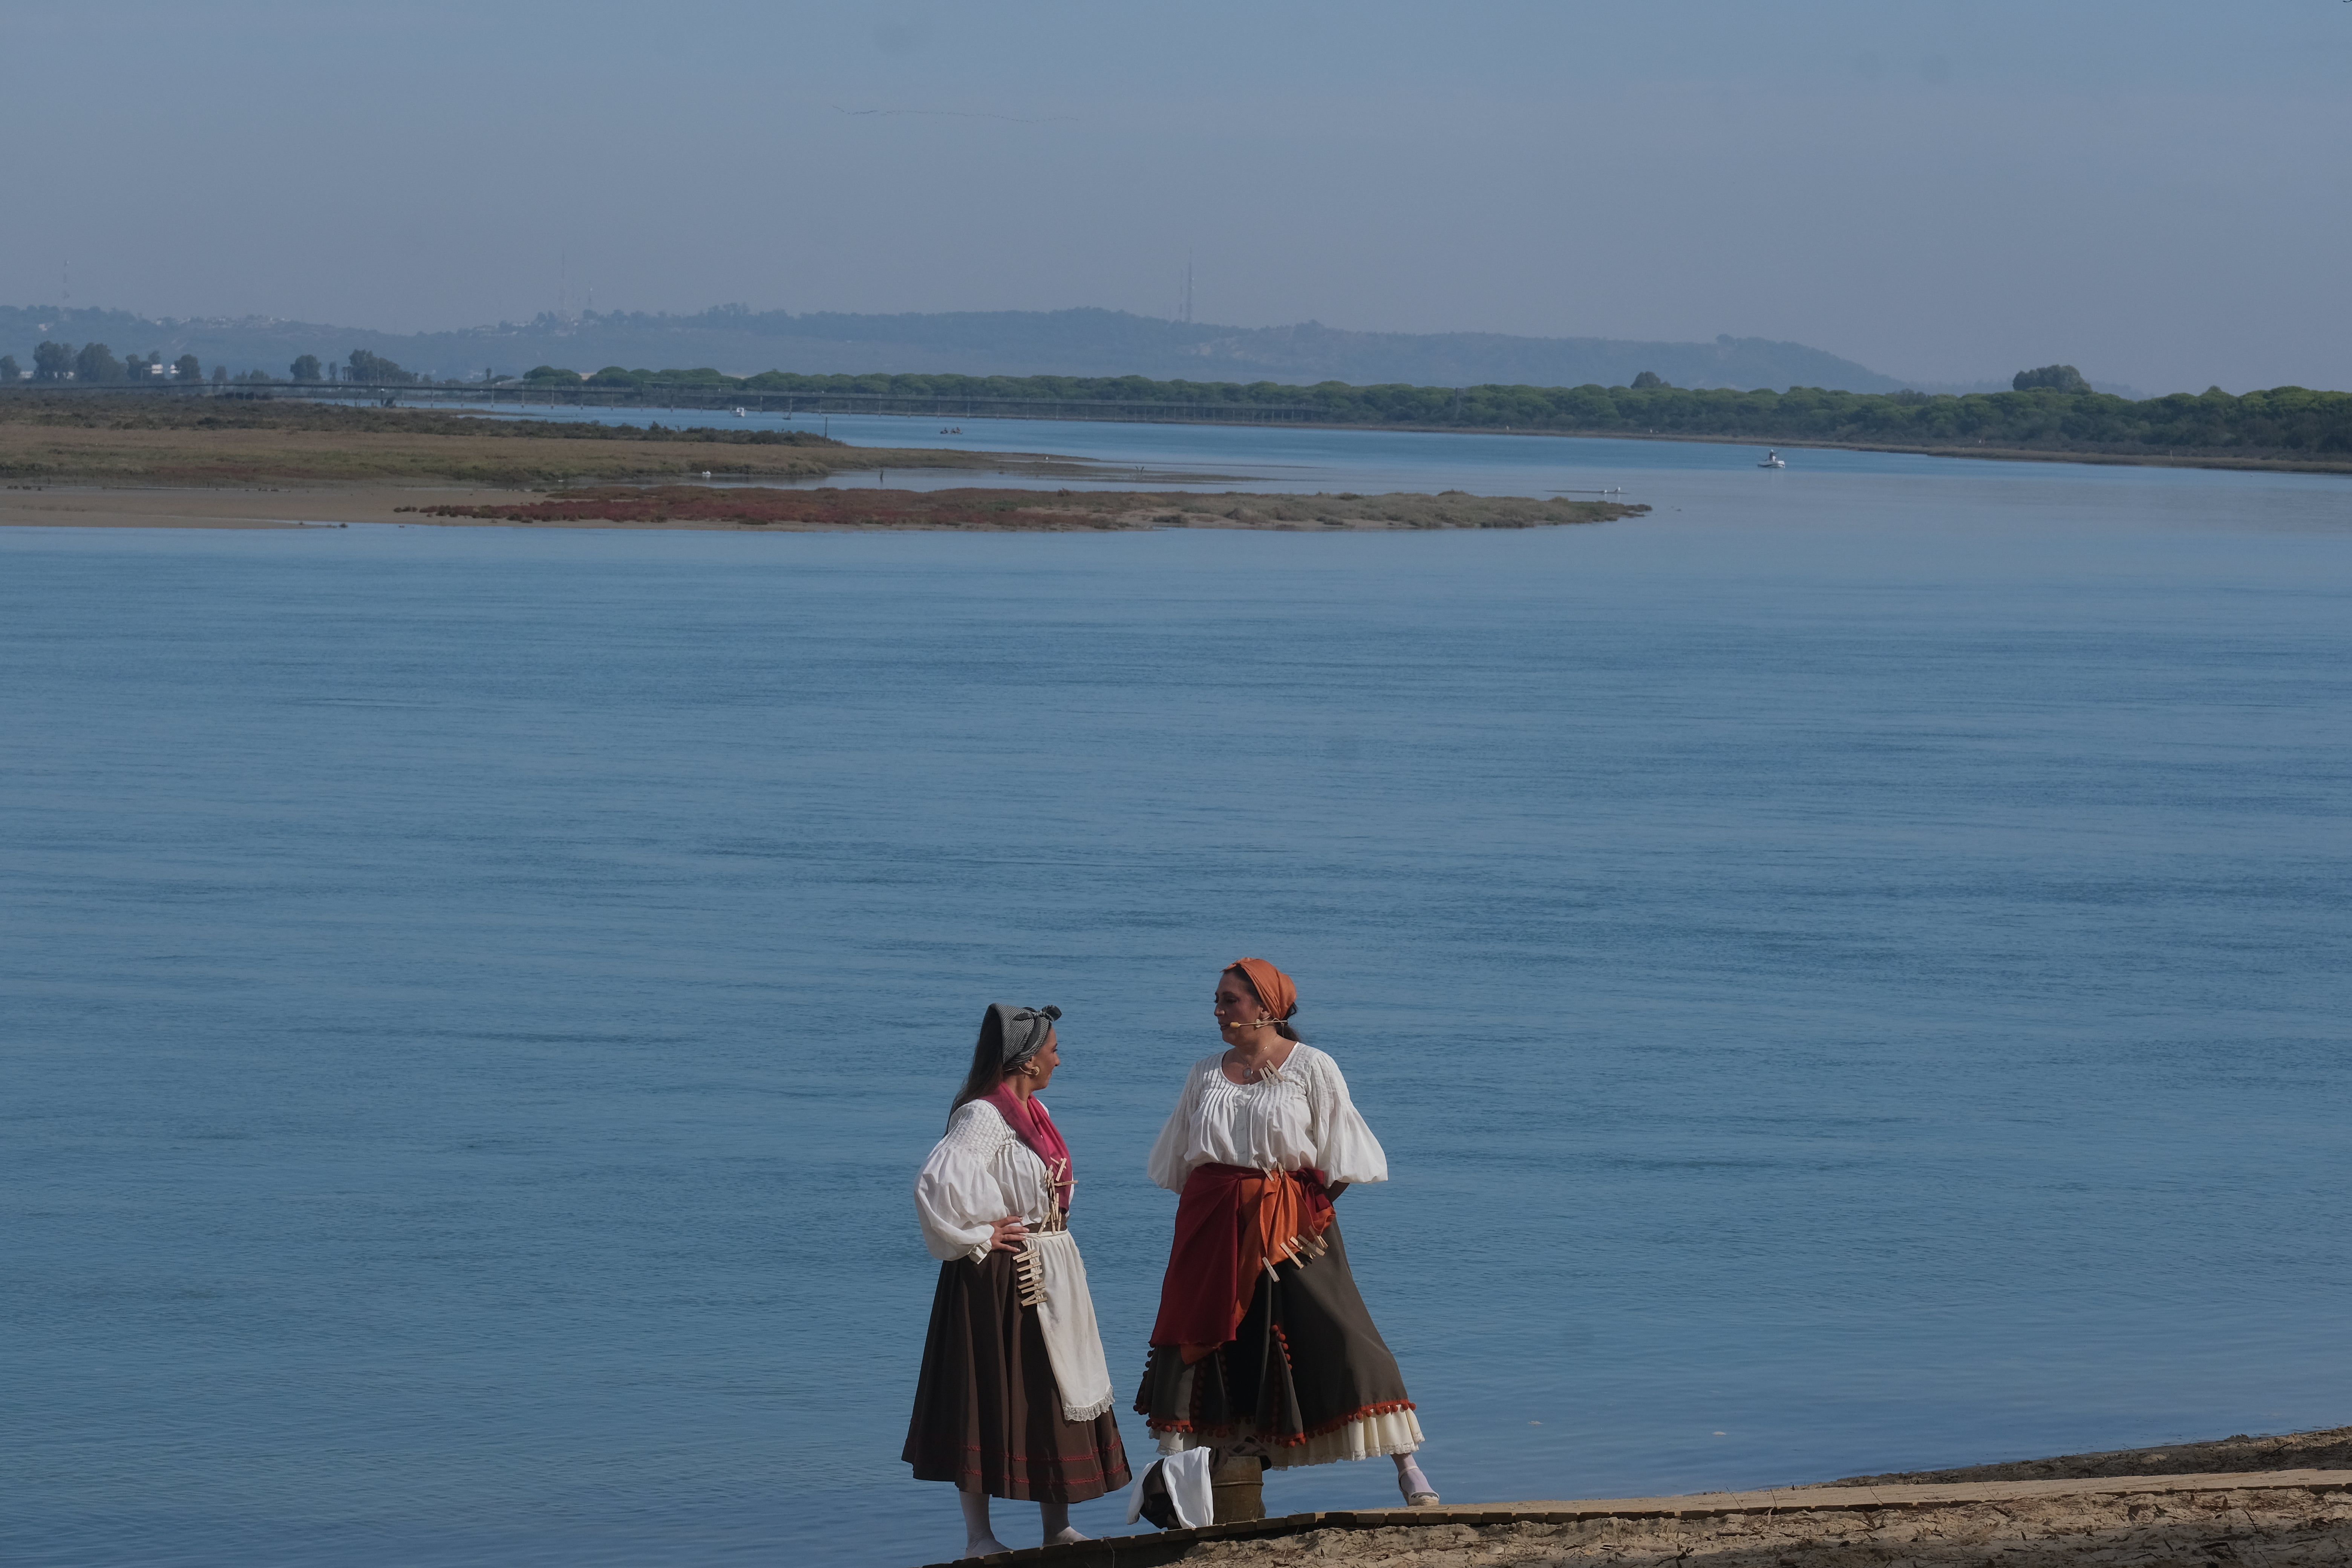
1263,1346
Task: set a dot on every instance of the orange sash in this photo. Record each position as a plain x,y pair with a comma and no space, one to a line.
1231,1223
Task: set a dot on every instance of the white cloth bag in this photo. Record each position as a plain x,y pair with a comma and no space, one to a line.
1187,1478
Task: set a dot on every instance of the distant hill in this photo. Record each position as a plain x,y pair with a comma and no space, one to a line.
992,343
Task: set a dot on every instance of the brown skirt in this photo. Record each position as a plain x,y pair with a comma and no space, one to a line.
1306,1363
988,1414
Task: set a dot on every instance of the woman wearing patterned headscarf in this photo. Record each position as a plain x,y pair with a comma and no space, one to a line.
1264,1346
1014,1397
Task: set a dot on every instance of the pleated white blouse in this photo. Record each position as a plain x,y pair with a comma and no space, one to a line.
1300,1116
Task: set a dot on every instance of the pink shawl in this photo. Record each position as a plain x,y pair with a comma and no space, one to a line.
1032,1126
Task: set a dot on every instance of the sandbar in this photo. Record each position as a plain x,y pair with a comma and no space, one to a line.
775,510
290,506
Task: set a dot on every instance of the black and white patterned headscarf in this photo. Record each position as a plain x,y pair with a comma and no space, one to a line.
1025,1029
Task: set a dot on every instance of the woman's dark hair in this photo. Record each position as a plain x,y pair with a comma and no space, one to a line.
1283,1030
987,1064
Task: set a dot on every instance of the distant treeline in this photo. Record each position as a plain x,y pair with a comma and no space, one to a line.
2052,410
2282,421
94,364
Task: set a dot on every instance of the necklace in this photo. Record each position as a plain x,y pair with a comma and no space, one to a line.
1256,1072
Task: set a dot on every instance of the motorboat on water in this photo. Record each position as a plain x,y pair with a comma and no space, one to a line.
742,413
1772,460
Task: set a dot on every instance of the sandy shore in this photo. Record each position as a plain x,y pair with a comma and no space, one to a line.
69,505
2327,1450
2257,1505
2276,1517
428,506
2286,1517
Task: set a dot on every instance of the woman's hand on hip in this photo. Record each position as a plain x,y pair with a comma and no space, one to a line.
1010,1235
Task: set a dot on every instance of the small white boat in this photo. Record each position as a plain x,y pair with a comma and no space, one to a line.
742,413
1772,460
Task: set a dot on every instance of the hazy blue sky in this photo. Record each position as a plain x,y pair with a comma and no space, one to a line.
2156,193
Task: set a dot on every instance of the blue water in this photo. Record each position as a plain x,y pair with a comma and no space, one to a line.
1274,457
1850,969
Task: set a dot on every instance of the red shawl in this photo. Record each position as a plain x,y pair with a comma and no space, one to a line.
1231,1223
1030,1123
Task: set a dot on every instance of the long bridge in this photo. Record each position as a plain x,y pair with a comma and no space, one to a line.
521,396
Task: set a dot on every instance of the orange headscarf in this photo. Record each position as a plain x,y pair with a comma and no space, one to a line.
1273,987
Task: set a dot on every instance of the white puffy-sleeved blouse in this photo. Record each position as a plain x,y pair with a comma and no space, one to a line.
1300,1116
976,1175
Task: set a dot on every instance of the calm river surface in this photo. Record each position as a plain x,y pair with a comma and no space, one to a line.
1850,971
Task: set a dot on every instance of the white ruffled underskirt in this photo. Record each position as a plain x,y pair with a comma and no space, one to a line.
1367,1438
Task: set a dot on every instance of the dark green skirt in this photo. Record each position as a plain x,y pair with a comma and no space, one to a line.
1305,1361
